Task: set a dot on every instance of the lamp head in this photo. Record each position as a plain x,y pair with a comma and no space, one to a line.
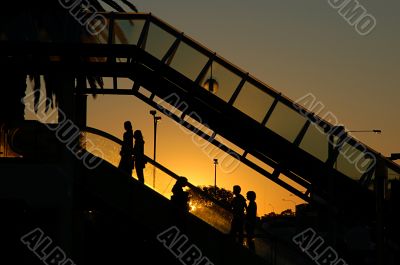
211,85
153,112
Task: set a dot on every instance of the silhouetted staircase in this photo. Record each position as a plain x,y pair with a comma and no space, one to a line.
153,214
208,225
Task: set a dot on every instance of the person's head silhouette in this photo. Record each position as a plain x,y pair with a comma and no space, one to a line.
138,135
128,125
182,181
251,195
237,189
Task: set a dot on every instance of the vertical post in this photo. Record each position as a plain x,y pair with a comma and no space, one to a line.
155,120
154,151
380,176
215,175
79,117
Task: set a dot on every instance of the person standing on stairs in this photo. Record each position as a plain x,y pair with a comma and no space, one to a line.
138,154
238,206
126,153
251,219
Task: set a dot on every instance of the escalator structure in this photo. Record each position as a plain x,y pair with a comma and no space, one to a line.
279,138
284,140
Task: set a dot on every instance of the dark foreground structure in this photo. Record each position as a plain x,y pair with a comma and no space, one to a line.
64,201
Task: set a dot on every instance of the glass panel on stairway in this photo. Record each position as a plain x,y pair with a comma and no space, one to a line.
210,212
353,162
163,182
201,128
233,147
127,31
100,38
286,122
315,142
188,61
226,81
124,83
158,41
253,102
107,83
102,147
293,183
169,106
144,92
260,163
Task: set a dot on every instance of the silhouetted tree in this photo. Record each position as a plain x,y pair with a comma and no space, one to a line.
271,214
220,194
287,212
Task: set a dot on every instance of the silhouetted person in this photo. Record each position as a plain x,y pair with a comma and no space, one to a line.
251,219
238,206
180,197
138,153
126,153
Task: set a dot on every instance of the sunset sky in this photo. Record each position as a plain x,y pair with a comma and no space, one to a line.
297,47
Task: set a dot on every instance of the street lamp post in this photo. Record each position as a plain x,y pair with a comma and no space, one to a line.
381,176
155,121
215,175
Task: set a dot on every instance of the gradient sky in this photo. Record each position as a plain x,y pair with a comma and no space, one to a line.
297,47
